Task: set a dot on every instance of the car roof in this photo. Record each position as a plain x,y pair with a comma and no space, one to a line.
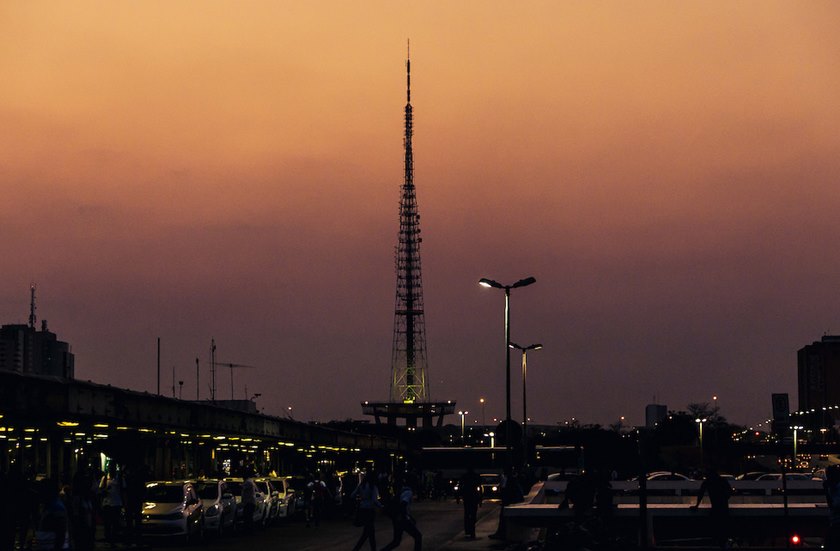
168,482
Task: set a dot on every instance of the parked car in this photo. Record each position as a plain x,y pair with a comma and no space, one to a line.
271,496
667,475
752,475
788,476
260,516
286,496
219,505
172,509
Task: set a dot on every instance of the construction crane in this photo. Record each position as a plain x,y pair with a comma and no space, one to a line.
232,366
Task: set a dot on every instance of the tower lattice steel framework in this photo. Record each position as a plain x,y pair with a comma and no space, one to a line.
409,383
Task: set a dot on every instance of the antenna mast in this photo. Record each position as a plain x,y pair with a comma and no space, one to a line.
32,318
212,370
408,354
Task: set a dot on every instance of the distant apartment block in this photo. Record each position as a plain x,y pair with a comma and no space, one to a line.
654,414
819,374
23,349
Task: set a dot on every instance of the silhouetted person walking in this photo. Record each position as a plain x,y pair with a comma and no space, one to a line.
832,499
403,521
580,496
248,500
367,495
7,513
82,517
719,491
470,488
112,503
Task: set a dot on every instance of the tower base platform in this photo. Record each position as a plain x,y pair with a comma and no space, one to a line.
431,413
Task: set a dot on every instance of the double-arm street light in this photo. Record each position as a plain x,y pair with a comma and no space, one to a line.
521,283
525,350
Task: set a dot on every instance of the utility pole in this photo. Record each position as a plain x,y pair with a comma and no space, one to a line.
213,370
32,306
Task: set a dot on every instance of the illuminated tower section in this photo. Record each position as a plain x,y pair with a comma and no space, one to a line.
409,383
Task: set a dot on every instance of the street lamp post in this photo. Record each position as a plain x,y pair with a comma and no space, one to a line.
521,283
525,350
700,422
463,415
483,421
796,428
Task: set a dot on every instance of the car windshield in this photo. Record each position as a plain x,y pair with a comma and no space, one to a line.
264,486
207,490
490,479
165,494
235,488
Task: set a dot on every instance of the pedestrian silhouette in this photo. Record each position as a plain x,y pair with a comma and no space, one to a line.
470,488
832,498
402,519
719,492
367,496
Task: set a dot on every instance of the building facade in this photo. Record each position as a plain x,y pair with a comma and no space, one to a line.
23,349
819,376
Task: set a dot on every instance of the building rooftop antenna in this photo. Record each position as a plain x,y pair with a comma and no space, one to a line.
32,318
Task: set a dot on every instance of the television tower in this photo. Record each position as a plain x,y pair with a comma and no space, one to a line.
409,395
409,383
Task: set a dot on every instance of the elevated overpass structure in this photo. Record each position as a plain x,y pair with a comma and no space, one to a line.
49,424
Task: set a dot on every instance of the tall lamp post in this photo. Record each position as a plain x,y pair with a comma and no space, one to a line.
525,350
483,421
495,284
700,422
463,415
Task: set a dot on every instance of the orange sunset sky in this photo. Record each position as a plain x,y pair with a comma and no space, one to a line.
668,171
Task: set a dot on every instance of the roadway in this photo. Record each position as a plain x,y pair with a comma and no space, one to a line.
441,523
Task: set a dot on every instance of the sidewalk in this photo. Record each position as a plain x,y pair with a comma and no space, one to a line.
487,523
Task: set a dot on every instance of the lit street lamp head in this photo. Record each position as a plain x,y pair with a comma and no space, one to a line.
484,282
526,348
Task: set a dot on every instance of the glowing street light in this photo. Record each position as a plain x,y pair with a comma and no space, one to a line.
525,350
701,421
481,401
795,442
463,415
495,284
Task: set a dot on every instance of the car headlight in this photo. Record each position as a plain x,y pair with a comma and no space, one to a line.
212,511
495,488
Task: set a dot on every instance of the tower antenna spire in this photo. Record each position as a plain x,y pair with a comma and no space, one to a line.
408,72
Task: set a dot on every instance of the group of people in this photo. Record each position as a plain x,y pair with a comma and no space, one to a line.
46,513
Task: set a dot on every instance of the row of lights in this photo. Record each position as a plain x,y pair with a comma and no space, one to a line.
186,438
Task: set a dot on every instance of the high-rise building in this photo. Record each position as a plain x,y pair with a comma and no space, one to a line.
23,349
819,377
654,414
